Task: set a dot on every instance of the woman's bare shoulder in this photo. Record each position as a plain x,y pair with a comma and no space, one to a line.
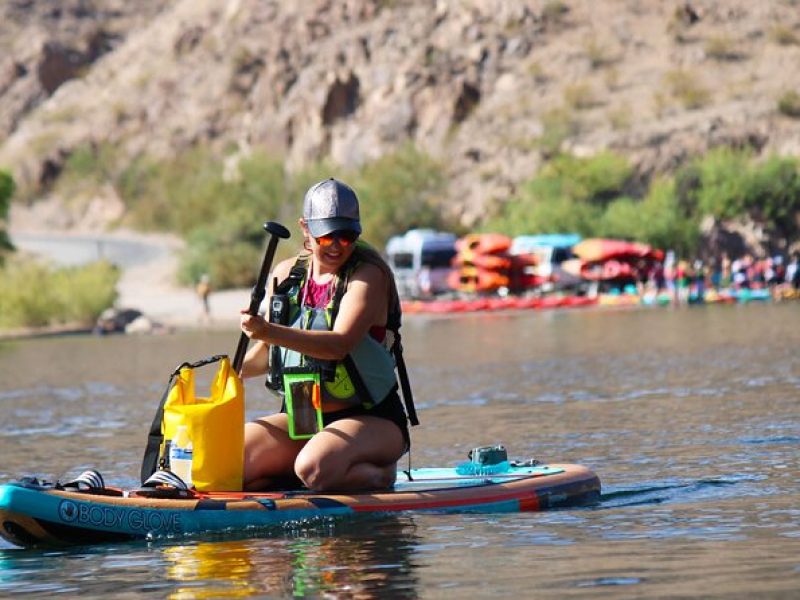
369,273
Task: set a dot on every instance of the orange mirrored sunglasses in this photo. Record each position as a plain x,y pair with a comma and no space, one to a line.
345,238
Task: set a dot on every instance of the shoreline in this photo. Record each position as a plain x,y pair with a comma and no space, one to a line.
148,263
147,284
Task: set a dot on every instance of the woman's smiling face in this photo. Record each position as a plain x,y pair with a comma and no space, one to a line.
330,251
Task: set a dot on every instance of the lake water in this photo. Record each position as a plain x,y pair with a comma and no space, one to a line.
689,416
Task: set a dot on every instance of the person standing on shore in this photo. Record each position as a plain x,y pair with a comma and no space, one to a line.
203,290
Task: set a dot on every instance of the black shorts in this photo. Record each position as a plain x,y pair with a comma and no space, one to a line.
391,409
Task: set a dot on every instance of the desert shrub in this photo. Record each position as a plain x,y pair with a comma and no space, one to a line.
554,10
784,35
597,53
789,104
528,215
82,293
399,191
773,192
230,255
722,48
597,179
723,179
22,302
728,183
7,187
86,169
194,190
686,87
220,212
568,194
656,219
558,125
580,96
177,195
586,195
33,294
220,216
620,117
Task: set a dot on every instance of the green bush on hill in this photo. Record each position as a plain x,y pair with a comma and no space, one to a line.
728,183
586,196
88,167
221,217
397,192
526,215
33,294
721,178
595,179
6,192
569,194
655,220
773,193
219,211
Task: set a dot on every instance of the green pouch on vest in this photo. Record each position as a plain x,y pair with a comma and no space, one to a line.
303,402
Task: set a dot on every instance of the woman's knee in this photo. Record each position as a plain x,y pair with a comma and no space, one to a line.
316,470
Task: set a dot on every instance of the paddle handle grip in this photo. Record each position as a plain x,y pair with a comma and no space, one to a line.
277,232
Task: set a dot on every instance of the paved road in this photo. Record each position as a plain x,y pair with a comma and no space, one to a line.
148,264
78,249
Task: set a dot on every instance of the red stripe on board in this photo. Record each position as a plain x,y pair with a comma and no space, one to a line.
414,505
529,504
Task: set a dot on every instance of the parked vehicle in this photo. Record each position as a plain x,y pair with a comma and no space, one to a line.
551,250
421,260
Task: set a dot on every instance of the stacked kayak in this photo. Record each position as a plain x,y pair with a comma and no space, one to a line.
482,263
35,514
613,260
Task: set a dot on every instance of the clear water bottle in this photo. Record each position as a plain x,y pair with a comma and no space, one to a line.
180,455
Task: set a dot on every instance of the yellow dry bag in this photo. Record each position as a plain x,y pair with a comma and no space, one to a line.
215,427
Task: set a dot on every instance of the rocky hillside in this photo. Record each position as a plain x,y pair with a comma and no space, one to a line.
490,87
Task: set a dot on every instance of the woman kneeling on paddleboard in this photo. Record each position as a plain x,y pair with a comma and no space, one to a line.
332,329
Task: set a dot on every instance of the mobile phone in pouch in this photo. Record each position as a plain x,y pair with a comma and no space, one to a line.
303,398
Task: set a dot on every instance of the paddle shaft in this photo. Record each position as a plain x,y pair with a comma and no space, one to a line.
276,231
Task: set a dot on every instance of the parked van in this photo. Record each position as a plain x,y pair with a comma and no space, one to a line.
421,261
550,249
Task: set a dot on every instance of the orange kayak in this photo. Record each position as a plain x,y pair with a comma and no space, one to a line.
473,279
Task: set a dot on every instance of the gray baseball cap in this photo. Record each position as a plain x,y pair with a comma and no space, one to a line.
329,206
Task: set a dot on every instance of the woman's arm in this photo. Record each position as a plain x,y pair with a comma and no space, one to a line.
363,305
256,361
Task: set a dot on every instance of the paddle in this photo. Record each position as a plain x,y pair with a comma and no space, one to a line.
276,231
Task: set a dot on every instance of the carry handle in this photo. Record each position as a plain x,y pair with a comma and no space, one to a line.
200,363
276,231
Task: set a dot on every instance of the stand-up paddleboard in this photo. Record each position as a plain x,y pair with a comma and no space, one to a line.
36,514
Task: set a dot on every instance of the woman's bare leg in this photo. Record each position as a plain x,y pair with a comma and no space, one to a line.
356,453
268,451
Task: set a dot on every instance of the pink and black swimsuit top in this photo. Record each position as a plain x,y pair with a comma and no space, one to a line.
318,296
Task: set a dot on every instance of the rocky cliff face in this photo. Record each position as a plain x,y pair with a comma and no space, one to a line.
490,87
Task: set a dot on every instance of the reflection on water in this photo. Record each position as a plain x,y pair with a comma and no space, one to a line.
353,561
311,559
689,417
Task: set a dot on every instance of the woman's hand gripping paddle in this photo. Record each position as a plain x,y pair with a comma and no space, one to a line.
276,231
